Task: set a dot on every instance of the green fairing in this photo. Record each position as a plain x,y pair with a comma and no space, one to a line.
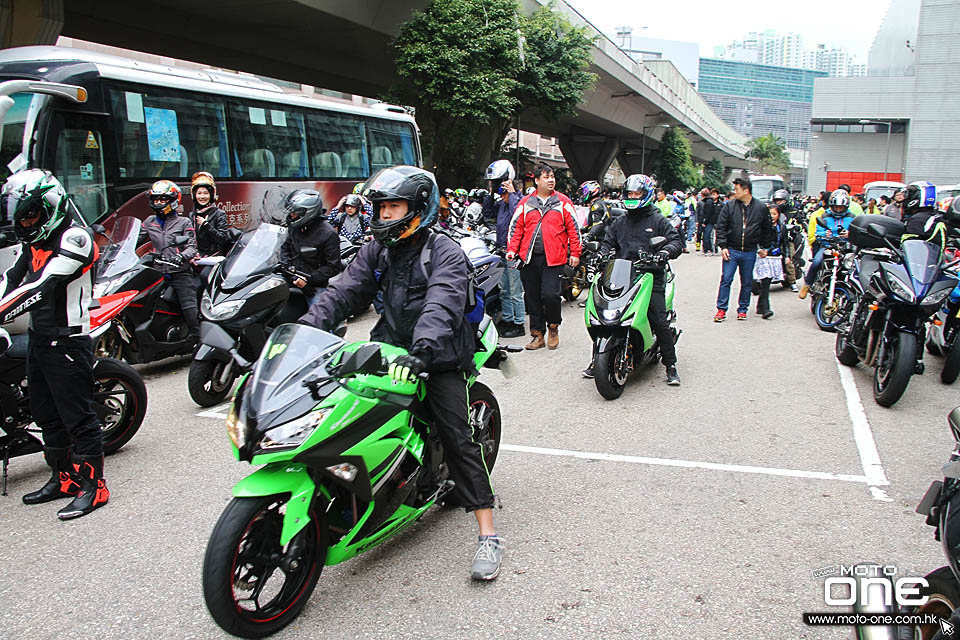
489,341
636,313
282,478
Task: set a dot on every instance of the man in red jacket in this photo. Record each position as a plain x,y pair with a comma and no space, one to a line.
545,236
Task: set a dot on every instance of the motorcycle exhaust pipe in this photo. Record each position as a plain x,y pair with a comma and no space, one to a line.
871,599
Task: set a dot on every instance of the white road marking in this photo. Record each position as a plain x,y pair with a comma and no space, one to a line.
866,447
690,464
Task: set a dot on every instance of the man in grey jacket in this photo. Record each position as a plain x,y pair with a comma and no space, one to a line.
163,228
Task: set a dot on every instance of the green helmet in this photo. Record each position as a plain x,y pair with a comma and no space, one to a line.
34,195
358,188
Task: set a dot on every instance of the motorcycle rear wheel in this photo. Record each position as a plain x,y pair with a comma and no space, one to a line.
119,400
244,555
944,596
845,353
895,365
203,382
951,368
607,376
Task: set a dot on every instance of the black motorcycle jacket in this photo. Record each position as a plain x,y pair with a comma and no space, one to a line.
162,233
53,280
743,227
423,313
630,234
215,236
322,265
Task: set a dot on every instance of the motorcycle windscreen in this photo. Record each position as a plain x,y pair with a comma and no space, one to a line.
922,261
618,275
293,353
121,254
256,251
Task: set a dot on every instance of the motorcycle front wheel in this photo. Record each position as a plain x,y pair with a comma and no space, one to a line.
109,345
578,284
608,374
206,383
829,316
254,586
895,365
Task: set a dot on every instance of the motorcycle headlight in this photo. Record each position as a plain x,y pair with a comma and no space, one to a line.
849,260
937,297
220,311
236,427
292,434
266,285
610,314
900,288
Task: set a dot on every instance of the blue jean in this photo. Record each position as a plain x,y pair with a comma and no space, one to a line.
743,260
818,255
511,297
691,227
316,296
708,238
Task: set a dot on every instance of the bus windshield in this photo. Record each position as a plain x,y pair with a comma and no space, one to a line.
14,127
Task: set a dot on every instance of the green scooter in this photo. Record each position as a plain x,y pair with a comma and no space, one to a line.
616,318
350,460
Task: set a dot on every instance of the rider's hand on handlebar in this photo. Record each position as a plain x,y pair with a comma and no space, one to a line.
406,368
299,282
178,260
844,233
829,234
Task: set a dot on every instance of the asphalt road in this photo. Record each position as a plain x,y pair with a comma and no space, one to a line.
700,511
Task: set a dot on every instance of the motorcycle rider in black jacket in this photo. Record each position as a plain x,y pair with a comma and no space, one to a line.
307,228
629,235
53,281
423,313
788,215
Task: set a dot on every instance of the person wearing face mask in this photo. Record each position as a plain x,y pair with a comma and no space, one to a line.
162,229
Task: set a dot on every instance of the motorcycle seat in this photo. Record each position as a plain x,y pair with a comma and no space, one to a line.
18,347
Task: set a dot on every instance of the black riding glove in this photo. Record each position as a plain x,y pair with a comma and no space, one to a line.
406,368
178,260
661,258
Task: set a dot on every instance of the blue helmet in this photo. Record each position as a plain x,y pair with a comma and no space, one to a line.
919,195
642,184
417,186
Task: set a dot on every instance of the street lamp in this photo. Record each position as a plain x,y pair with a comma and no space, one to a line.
886,163
643,136
806,163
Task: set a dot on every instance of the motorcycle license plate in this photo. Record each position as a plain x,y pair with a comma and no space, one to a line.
930,498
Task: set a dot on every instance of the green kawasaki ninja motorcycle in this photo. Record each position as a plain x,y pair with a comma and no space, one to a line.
350,460
616,318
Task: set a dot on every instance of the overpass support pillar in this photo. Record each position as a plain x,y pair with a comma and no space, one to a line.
588,156
630,163
30,22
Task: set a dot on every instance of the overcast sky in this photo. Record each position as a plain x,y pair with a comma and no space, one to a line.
850,24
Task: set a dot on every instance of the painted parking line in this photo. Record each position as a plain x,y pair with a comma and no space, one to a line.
863,435
218,412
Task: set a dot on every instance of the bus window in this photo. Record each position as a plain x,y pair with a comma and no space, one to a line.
391,143
168,136
79,166
337,145
270,142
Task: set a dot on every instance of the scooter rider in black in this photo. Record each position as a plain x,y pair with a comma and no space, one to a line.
630,234
307,228
425,315
162,228
53,281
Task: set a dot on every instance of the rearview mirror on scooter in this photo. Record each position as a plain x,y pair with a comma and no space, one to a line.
657,242
181,240
366,359
308,252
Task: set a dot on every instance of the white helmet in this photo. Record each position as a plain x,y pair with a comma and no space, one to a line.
500,170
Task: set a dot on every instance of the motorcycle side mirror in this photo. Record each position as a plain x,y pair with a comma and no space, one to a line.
592,246
181,240
308,252
954,421
366,359
341,330
657,242
99,229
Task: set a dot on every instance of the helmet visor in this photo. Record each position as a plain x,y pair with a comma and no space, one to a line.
385,184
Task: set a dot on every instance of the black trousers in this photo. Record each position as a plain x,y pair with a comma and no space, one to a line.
186,287
541,292
660,323
447,400
61,384
763,300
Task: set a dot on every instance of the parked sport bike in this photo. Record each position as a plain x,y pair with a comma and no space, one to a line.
831,300
616,318
944,337
138,314
249,294
886,329
350,458
120,401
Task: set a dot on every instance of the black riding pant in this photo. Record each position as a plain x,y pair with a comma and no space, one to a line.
185,286
660,323
61,383
541,292
447,401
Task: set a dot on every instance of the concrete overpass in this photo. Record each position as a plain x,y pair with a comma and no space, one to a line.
344,45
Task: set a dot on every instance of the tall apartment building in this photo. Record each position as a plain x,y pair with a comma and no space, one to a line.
788,50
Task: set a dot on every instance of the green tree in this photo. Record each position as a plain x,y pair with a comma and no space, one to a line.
770,153
673,166
469,67
713,175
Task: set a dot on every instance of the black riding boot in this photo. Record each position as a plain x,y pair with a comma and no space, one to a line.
93,489
63,482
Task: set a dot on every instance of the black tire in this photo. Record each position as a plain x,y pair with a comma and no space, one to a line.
944,596
486,422
202,382
829,322
951,368
845,353
243,548
933,348
119,400
609,383
895,365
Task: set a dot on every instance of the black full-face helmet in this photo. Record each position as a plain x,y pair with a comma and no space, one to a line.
303,207
412,184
